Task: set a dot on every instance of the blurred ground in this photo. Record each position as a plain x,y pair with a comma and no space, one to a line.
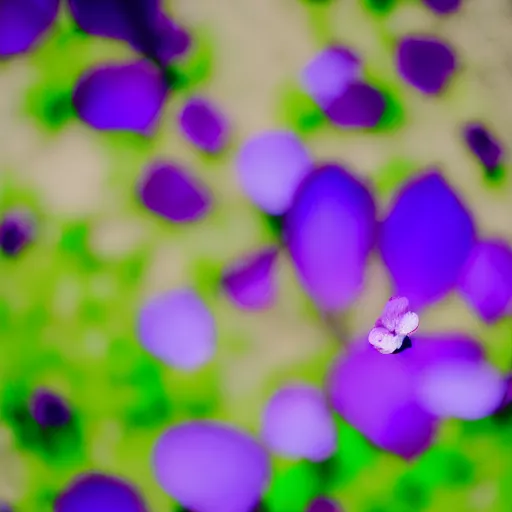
259,50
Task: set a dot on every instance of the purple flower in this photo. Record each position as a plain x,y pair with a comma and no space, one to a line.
443,6
485,147
329,230
23,23
376,395
297,423
359,106
173,193
49,409
425,62
140,23
16,231
486,282
249,282
426,240
270,167
211,467
400,412
101,493
323,505
203,125
125,96
395,323
177,328
329,74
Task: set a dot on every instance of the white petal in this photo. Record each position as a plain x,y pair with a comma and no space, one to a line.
408,323
384,341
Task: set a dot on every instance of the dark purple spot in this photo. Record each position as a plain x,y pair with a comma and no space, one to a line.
425,62
140,23
15,233
203,125
173,193
443,6
48,409
485,147
359,106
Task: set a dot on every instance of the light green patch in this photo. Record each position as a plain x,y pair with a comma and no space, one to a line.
292,487
380,7
392,175
196,67
299,112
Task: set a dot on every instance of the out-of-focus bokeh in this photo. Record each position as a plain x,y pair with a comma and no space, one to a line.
205,207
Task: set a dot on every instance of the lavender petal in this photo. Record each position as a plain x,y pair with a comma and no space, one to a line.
425,62
270,167
177,328
211,467
329,231
250,282
173,193
426,240
126,96
297,423
486,283
203,125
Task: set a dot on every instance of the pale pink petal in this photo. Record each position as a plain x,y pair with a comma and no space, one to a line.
395,308
384,341
408,323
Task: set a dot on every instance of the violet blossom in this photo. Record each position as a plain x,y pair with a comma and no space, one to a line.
392,327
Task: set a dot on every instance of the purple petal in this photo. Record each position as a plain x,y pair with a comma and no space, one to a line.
486,282
250,282
203,125
458,389
16,231
323,505
297,423
443,6
359,106
432,349
5,507
48,409
486,148
211,467
375,394
126,96
270,168
426,240
331,71
394,310
178,328
329,231
140,23
173,193
101,493
426,63
23,23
